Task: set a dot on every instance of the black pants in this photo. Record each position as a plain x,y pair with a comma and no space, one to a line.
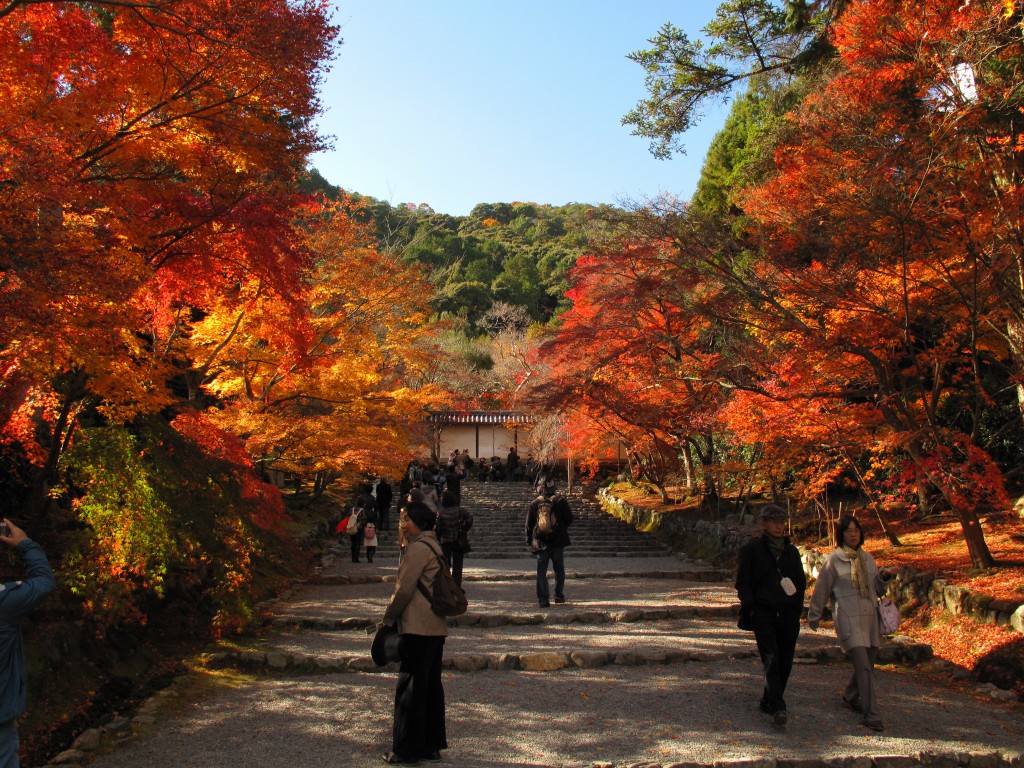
555,556
419,698
454,556
776,633
357,543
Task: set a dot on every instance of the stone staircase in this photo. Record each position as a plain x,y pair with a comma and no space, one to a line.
499,518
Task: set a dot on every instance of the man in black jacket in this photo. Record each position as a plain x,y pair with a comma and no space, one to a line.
770,582
548,540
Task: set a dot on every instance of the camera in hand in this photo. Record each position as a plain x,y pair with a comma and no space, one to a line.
5,529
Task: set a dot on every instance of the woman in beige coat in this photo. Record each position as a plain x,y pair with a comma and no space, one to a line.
419,727
852,581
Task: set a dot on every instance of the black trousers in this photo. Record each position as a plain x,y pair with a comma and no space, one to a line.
454,556
776,633
419,698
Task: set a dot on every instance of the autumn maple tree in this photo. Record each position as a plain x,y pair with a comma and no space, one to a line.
634,359
326,392
148,153
881,247
150,157
855,316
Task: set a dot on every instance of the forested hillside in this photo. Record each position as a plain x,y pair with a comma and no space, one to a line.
516,253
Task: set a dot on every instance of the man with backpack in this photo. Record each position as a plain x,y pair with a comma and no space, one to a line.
547,533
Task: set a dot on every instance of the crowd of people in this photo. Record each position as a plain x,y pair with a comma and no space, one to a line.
433,533
371,505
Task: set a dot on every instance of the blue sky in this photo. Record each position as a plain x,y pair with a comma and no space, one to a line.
453,103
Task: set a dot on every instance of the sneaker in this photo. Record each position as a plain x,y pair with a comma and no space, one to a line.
781,717
433,757
393,758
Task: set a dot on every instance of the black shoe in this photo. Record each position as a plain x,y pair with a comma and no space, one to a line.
393,758
781,717
854,705
874,725
433,757
763,706
559,600
544,604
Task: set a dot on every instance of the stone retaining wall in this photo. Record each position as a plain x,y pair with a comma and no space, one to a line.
699,538
713,541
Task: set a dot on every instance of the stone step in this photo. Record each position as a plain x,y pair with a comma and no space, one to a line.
540,659
675,621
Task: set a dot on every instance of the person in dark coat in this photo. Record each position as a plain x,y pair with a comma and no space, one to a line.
549,547
452,527
512,463
384,498
453,482
770,583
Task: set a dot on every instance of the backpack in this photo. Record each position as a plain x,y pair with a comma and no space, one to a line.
352,528
562,510
448,598
546,521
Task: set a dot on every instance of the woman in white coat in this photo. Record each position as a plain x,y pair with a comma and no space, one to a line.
852,581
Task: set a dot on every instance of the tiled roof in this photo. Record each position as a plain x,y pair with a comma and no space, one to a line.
479,417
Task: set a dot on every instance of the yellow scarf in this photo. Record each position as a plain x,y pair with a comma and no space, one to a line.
857,569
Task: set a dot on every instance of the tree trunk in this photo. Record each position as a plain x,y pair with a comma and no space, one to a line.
974,536
981,557
688,468
59,440
1015,334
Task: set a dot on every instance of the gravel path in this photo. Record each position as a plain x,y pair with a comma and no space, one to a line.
652,715
623,715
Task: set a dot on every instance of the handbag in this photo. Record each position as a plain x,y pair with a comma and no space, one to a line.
888,616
